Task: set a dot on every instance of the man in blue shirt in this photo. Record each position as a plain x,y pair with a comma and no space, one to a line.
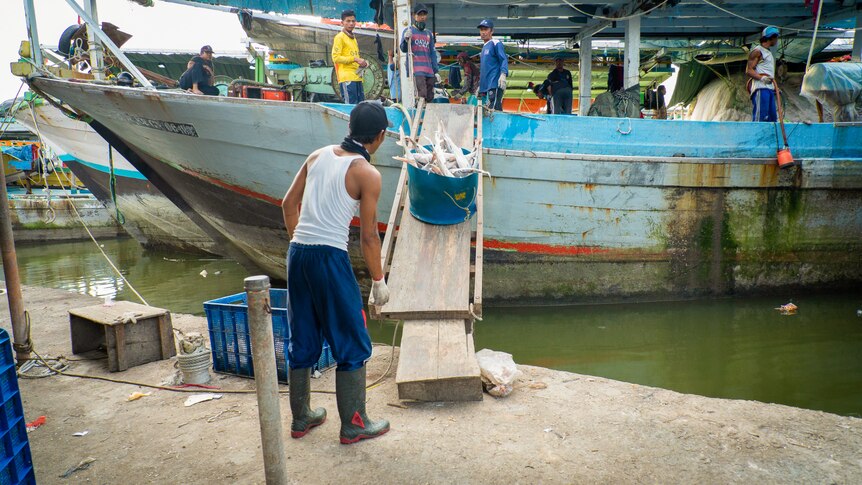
493,67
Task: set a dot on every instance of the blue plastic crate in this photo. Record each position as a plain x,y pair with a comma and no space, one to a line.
16,463
227,320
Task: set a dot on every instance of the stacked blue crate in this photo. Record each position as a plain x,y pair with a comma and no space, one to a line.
16,463
227,320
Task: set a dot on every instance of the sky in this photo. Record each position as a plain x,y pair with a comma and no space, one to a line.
164,26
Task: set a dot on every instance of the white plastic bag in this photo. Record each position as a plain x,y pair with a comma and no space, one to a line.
499,372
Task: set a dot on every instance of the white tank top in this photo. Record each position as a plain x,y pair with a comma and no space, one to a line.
765,66
327,208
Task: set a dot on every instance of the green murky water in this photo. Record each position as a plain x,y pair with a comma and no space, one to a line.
734,348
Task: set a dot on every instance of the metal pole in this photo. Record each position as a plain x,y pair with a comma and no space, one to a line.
20,335
97,62
585,76
266,379
856,55
403,19
632,59
33,33
110,44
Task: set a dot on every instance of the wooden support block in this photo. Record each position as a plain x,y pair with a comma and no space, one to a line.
438,362
128,344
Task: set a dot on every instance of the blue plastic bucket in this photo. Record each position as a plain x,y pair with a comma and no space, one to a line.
441,200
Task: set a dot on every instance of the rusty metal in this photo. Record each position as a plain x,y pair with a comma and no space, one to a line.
20,330
266,379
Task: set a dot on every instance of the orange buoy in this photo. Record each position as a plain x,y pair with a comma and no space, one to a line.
785,158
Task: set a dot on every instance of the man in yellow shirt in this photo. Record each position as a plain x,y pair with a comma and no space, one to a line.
345,56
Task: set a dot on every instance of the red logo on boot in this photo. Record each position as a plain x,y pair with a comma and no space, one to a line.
357,420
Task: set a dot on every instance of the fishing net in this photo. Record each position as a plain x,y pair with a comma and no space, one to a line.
624,103
726,99
838,87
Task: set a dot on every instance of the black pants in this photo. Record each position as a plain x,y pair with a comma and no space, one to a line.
208,90
563,102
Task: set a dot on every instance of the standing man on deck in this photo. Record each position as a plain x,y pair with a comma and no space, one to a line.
761,71
471,76
345,56
323,298
561,87
424,57
493,67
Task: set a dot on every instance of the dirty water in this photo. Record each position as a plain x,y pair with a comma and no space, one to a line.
740,348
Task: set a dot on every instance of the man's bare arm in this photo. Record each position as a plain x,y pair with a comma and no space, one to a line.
370,186
753,58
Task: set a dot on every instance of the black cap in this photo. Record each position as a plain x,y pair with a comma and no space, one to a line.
206,48
368,118
419,8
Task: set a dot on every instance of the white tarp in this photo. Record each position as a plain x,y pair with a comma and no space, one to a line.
838,87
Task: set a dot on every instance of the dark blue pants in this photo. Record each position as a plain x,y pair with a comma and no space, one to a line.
352,92
323,300
764,108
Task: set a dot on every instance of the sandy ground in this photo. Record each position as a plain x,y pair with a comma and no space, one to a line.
556,427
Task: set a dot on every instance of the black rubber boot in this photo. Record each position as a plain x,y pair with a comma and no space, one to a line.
299,381
350,394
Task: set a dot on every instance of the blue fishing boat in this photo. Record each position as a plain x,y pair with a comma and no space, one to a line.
578,209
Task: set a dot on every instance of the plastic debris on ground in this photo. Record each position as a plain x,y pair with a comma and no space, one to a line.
498,372
788,309
199,398
204,273
82,465
81,433
137,395
36,423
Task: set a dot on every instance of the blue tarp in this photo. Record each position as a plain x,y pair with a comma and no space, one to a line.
321,8
23,156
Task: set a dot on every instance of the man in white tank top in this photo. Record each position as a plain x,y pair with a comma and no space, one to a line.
322,292
761,71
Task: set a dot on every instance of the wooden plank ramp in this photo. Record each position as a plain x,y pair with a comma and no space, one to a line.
429,282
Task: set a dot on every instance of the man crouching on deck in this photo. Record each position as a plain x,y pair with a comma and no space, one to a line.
323,298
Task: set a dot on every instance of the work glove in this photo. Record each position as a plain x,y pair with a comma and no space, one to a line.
502,82
766,80
408,34
379,292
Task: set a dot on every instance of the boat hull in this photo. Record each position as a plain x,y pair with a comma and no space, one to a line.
145,213
579,209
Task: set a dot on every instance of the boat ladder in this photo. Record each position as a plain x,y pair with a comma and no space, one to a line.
430,268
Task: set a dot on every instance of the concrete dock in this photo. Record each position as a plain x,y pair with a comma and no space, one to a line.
556,427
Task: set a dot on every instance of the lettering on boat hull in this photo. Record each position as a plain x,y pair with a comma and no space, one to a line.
169,126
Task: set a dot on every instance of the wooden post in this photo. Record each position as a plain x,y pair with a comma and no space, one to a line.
585,82
266,379
20,332
32,34
632,52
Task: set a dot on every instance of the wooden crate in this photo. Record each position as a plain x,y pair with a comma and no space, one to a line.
128,344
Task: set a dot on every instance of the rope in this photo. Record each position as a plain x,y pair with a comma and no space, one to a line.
78,215
465,209
63,372
761,23
615,19
814,37
113,183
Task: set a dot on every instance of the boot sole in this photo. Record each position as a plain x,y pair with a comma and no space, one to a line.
300,434
349,441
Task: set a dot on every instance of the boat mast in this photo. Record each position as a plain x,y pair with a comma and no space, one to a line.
97,62
33,32
95,29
